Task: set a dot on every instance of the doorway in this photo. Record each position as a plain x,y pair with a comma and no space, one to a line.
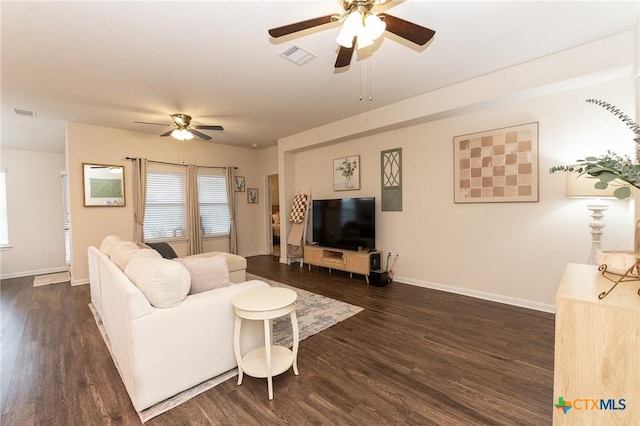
273,208
67,218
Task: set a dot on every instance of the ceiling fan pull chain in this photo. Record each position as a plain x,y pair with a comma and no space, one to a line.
369,77
360,80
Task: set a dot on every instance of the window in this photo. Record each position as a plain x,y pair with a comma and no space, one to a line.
215,219
165,210
4,226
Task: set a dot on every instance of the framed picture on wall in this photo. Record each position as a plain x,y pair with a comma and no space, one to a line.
497,166
346,173
252,195
103,185
238,183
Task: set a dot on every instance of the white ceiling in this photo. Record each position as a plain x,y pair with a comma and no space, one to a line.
112,63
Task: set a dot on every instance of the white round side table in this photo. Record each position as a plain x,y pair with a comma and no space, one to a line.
265,304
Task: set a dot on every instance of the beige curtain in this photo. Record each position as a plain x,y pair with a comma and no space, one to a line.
139,197
233,236
193,211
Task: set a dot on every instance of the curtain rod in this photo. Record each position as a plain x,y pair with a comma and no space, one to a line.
178,164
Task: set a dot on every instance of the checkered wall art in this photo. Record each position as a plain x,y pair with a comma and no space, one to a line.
299,208
496,166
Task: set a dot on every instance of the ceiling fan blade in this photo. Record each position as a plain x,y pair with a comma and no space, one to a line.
299,26
200,134
168,133
209,127
408,30
345,54
155,124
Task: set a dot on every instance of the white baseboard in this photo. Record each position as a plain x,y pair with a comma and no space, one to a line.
34,272
508,300
81,281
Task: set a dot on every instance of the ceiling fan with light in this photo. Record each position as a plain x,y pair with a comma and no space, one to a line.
361,28
182,128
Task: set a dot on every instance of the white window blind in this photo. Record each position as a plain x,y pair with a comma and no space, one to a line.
4,225
215,219
165,216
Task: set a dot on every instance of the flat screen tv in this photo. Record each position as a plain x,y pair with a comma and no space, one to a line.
345,223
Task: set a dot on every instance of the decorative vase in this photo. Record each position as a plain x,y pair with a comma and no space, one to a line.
350,183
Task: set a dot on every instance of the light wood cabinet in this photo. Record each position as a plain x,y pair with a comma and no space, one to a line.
354,262
597,350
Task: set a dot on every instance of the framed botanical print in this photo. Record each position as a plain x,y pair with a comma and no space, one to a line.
346,173
238,183
252,195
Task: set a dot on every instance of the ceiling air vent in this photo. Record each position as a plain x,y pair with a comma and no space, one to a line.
24,113
297,55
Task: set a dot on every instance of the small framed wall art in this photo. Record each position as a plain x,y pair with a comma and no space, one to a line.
497,166
346,173
103,185
239,183
252,195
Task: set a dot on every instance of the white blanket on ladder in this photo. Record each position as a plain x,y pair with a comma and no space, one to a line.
295,235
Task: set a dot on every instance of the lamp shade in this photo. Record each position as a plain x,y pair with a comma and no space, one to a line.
582,186
350,28
364,42
374,26
182,134
366,27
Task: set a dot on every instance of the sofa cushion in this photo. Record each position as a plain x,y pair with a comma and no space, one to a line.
122,252
164,249
108,242
234,262
206,273
163,282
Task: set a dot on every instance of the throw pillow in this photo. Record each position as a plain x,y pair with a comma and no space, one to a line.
121,253
206,273
164,249
163,282
108,243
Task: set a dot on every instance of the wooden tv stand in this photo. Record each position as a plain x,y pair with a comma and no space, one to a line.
358,262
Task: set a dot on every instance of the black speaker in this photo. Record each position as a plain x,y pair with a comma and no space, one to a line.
374,259
379,278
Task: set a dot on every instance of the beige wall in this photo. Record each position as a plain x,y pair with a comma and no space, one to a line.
89,225
510,252
35,214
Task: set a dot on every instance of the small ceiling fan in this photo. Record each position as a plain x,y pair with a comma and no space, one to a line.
360,28
182,129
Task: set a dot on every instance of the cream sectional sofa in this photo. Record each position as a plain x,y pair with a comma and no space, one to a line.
163,339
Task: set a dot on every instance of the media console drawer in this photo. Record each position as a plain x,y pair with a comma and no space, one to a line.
357,262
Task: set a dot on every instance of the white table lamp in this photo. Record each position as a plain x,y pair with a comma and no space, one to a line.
581,186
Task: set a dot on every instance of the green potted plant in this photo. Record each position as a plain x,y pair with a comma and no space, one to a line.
611,168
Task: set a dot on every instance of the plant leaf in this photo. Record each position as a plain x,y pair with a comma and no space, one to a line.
601,185
622,192
607,176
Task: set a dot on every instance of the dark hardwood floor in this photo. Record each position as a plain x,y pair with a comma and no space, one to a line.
414,356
